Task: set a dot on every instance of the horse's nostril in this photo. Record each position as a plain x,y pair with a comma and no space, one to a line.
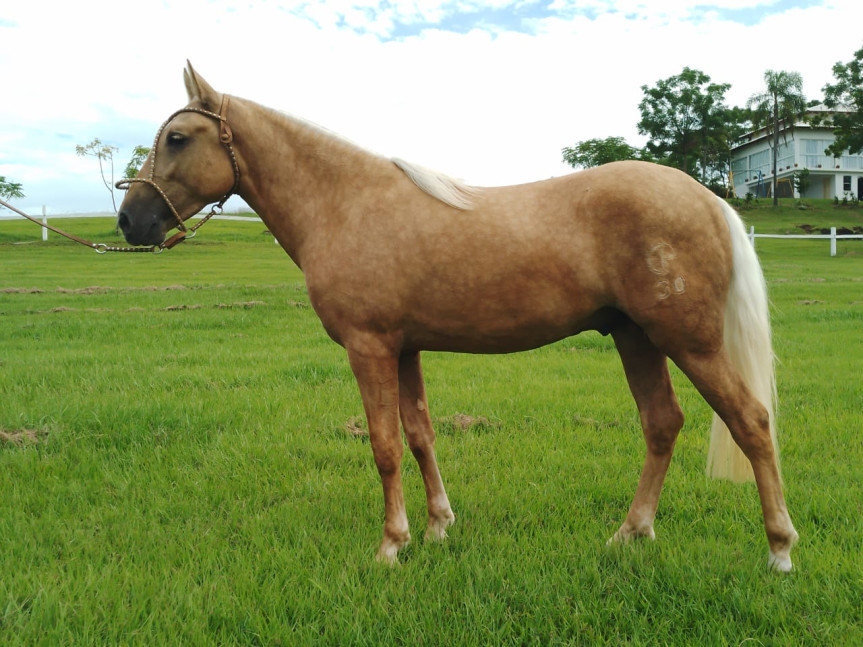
123,221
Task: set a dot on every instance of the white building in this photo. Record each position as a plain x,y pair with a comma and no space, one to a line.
829,177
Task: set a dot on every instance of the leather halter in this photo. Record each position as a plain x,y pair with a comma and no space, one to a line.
226,137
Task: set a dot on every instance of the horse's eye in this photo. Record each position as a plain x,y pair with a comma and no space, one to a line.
176,139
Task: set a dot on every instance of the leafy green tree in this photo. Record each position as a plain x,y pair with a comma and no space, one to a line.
596,152
800,180
139,155
105,154
685,118
848,92
10,190
781,103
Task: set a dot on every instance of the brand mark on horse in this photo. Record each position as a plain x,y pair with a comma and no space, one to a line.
659,258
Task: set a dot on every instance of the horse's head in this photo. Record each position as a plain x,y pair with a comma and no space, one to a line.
191,164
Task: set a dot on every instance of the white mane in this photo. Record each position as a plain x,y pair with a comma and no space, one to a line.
438,185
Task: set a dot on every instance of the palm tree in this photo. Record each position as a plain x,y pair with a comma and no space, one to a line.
782,101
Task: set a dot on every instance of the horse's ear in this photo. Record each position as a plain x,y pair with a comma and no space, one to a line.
198,88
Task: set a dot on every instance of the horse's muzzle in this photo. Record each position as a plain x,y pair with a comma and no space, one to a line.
147,230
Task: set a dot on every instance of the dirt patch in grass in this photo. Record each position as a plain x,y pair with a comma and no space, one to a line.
21,437
810,302
463,422
242,304
355,426
460,422
246,305
825,231
98,289
596,424
93,289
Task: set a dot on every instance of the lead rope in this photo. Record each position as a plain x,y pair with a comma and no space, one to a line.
226,137
100,248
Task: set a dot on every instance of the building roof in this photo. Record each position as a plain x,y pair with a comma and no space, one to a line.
817,116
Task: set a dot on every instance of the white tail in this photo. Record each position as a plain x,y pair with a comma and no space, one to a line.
749,345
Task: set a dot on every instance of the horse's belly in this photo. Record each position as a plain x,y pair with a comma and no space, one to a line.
475,330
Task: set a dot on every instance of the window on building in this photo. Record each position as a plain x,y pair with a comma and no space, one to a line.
759,162
846,183
814,156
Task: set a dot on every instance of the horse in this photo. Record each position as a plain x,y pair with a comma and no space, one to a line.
638,251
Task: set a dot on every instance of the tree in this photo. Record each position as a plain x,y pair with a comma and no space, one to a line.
782,102
596,152
685,117
139,154
10,190
847,92
800,180
105,155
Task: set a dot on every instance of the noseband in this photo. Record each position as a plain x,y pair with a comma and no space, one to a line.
225,137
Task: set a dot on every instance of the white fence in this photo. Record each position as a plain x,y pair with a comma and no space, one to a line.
12,216
832,236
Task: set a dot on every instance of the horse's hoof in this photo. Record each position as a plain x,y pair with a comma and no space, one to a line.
388,553
626,534
780,563
436,530
780,560
388,556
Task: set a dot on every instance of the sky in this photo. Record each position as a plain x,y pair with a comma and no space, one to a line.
486,91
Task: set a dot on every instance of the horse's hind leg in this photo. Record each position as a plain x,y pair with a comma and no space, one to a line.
721,385
413,408
646,371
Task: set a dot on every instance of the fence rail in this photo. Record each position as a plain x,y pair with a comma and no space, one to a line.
832,236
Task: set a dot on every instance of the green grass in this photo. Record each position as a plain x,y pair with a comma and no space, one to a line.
790,214
191,480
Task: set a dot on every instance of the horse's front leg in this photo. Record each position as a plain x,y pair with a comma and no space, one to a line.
413,407
377,377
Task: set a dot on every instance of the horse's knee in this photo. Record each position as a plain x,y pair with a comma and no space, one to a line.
421,443
388,456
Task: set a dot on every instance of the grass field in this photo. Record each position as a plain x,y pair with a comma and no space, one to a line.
176,468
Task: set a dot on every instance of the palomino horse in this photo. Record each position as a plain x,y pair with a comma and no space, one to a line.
638,251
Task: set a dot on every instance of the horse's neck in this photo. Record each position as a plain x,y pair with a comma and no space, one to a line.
293,173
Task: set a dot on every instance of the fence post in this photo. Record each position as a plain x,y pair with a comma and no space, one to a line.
44,222
832,241
752,235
